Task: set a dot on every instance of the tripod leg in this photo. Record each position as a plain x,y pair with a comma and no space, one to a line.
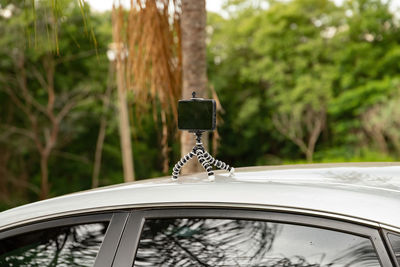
200,155
178,166
219,164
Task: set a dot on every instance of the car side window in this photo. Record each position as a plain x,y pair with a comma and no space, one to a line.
395,243
237,242
74,245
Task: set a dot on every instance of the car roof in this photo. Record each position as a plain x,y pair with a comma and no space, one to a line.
361,192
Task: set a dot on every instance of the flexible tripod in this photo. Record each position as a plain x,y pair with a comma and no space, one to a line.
205,159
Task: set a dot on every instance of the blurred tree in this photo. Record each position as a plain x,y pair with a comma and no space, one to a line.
194,76
102,128
366,63
49,94
299,69
382,124
120,55
291,60
43,119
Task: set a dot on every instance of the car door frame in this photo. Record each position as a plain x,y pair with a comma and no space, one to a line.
105,256
384,233
127,248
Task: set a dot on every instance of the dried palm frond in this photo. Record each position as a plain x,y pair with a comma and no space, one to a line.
150,33
154,58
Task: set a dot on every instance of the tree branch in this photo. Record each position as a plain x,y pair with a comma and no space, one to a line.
12,129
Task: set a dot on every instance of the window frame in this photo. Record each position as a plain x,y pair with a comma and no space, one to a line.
389,246
105,256
127,249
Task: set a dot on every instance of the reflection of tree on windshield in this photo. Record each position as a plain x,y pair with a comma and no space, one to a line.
64,246
361,255
204,242
216,242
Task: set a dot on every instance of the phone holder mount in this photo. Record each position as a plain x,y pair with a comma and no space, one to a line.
204,158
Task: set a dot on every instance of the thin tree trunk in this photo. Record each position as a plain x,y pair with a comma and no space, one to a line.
102,130
193,29
44,168
164,143
4,194
124,129
98,153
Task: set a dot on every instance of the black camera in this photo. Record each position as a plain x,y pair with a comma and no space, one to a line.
197,115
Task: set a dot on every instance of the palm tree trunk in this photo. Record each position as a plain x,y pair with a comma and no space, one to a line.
124,129
193,30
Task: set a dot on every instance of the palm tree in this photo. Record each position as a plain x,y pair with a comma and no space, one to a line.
194,76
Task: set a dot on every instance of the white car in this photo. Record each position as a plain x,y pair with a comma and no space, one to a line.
303,215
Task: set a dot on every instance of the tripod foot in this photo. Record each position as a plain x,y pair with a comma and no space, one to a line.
201,156
217,163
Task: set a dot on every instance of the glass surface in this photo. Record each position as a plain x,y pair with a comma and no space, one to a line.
225,242
76,245
395,242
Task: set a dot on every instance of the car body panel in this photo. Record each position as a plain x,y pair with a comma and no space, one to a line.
368,193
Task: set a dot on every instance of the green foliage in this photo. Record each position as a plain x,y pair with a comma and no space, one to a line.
344,155
80,69
297,56
71,161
